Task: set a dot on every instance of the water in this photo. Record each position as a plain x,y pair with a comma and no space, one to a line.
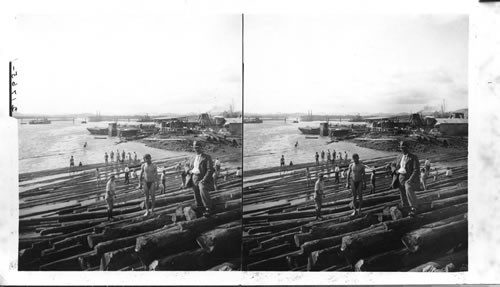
265,143
51,146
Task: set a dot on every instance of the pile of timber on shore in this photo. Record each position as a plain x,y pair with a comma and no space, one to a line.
281,233
62,225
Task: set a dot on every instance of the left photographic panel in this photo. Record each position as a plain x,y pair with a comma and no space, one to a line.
130,142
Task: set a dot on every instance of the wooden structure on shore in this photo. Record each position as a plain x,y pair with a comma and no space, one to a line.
63,225
280,232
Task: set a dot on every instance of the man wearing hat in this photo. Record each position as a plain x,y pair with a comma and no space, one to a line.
318,195
408,172
201,170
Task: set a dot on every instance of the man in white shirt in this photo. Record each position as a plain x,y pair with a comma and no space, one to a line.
202,169
217,164
449,173
408,172
110,196
427,165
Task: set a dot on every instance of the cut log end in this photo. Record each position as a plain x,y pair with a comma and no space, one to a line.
359,265
153,266
410,242
346,241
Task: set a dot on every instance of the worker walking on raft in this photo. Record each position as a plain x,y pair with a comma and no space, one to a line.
110,196
318,195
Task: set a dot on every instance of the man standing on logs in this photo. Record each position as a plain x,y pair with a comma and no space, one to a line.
337,173
110,196
308,177
202,169
149,172
282,164
408,172
164,181
71,165
318,195
127,173
98,177
357,170
372,180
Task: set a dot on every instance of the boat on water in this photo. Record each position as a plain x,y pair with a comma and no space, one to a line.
309,131
252,121
98,131
128,132
43,121
84,122
295,121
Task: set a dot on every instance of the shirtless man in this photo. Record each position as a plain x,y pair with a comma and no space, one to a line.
357,170
149,174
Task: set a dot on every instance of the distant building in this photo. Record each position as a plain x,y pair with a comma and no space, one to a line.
453,127
234,126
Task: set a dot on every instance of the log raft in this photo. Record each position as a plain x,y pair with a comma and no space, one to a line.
281,233
63,223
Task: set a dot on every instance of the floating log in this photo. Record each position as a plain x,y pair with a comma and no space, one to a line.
457,259
432,238
164,243
222,242
261,254
411,223
118,259
81,238
65,264
88,261
200,225
340,228
449,201
356,246
168,200
279,226
69,228
277,263
332,241
391,260
50,255
321,259
185,261
119,243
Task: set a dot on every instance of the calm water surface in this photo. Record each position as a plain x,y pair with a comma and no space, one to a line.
51,146
265,143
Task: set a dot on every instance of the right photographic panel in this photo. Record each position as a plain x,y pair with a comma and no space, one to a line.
355,143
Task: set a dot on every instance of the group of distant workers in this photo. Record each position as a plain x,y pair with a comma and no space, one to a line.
406,174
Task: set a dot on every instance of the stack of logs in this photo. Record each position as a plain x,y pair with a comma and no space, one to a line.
63,227
281,233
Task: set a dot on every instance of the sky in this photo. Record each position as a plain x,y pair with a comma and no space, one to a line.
349,64
118,64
